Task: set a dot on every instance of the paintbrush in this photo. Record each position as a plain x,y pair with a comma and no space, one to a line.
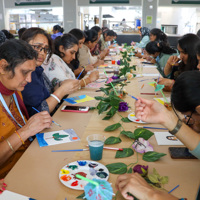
151,127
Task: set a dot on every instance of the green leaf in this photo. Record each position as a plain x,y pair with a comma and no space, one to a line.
127,152
105,90
117,168
142,133
128,59
103,107
92,108
125,119
112,111
81,196
113,140
106,99
128,134
112,127
130,170
152,156
156,173
153,178
107,117
164,180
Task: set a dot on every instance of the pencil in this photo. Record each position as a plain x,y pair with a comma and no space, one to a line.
70,150
173,189
149,93
151,127
142,86
52,121
80,73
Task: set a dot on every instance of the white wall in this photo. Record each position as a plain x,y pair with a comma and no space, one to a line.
185,18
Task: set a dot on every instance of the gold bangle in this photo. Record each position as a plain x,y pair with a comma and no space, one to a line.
84,82
19,137
10,146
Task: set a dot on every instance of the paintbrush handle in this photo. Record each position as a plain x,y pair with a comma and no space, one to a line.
69,150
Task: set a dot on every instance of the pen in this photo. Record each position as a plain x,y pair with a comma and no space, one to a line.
149,93
52,121
173,189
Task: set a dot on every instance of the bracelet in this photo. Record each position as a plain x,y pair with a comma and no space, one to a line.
177,127
84,82
10,146
55,97
19,137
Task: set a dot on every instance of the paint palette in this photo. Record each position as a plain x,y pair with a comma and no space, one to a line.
133,118
87,168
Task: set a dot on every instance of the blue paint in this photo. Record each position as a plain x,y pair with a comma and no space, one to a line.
96,149
82,163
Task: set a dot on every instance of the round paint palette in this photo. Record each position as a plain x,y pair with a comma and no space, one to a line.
133,118
87,168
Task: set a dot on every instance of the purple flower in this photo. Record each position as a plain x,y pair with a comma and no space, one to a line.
115,77
142,146
118,62
123,106
141,169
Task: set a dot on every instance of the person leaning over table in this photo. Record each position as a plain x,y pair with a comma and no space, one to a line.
17,62
40,93
185,98
75,64
58,70
161,52
188,60
84,55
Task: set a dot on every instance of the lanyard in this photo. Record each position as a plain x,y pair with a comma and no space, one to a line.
8,110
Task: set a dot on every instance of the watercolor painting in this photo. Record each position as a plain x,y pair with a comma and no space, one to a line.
57,137
165,138
79,99
12,195
85,168
162,101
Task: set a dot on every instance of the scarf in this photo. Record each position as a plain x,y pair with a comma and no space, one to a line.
8,92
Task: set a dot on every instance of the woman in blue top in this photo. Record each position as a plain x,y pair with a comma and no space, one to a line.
161,52
144,33
40,93
57,31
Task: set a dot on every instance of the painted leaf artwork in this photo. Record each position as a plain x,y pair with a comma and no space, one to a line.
57,137
86,168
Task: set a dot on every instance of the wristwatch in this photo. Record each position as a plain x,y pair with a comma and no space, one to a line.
177,127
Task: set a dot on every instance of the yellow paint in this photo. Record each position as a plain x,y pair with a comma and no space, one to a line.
87,98
132,115
160,101
64,171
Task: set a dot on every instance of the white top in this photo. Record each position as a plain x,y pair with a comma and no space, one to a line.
85,57
57,70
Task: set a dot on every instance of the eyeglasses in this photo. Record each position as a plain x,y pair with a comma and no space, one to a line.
39,48
189,118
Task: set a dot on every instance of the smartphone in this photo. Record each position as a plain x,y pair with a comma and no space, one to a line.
180,153
82,109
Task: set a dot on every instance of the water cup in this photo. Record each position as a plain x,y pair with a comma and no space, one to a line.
116,70
113,61
140,68
96,142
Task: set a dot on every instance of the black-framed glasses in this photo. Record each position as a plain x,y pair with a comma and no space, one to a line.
189,117
39,48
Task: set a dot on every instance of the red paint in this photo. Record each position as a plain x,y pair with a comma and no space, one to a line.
137,120
74,138
75,183
80,173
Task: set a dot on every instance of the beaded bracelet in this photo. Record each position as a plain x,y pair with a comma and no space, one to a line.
10,146
19,137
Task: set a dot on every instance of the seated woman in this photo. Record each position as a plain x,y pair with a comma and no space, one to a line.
57,31
161,53
17,62
144,33
40,93
107,36
187,61
84,55
185,99
75,65
57,70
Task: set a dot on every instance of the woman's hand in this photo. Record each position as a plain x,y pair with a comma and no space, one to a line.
37,123
69,86
134,184
89,67
2,186
173,60
166,81
94,76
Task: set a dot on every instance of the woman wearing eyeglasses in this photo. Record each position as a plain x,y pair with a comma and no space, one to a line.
40,93
17,62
